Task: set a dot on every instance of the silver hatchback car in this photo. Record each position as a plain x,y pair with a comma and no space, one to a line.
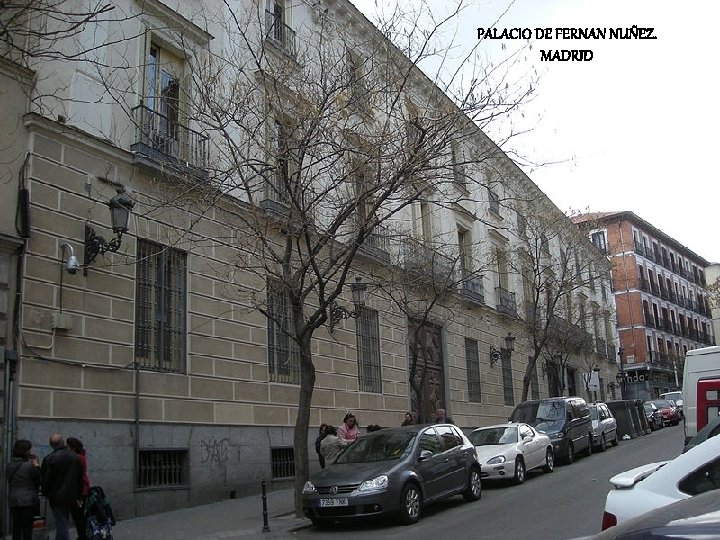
604,426
394,471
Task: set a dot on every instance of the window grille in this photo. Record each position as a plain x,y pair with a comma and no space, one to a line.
472,360
283,462
283,351
368,350
162,468
508,391
160,311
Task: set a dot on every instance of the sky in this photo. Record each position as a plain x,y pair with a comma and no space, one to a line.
634,128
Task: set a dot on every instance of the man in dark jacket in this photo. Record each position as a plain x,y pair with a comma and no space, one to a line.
61,476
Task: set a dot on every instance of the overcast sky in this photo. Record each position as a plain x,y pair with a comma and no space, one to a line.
636,128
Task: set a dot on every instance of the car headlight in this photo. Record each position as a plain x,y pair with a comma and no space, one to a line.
309,487
496,460
376,484
558,435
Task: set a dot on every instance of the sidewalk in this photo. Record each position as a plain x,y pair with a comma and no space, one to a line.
231,518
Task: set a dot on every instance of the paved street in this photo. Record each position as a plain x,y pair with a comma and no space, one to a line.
565,504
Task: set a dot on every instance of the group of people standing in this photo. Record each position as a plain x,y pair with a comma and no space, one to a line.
63,479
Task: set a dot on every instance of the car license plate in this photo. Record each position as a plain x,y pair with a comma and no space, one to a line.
342,501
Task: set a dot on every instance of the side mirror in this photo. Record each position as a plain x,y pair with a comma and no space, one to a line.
527,439
425,455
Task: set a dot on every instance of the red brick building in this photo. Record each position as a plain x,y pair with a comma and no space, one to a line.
660,297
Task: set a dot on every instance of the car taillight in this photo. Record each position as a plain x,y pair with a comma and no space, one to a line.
608,520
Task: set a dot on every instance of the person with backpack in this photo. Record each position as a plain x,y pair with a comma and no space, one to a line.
61,480
23,477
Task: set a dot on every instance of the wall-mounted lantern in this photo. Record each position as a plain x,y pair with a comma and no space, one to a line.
120,207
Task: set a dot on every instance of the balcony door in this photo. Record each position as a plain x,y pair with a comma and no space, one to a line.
426,370
163,75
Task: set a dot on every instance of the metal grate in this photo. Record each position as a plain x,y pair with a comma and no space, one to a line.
162,468
283,350
160,314
368,350
508,391
283,462
472,360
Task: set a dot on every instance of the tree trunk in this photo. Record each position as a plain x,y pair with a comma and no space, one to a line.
302,422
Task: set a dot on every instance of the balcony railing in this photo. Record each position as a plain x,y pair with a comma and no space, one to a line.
472,290
280,34
505,302
377,243
426,262
166,141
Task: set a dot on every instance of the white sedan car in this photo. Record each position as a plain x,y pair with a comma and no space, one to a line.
508,451
655,485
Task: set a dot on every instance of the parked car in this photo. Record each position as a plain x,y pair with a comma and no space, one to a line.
566,420
508,451
604,426
394,471
710,430
653,415
676,398
697,517
669,413
654,485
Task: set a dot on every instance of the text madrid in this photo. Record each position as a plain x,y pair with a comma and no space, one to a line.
632,32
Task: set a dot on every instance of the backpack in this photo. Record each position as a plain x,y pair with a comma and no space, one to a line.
99,516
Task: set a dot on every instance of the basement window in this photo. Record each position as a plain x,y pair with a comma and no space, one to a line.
283,462
162,468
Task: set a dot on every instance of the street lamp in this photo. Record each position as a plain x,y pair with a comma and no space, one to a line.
338,312
503,352
120,207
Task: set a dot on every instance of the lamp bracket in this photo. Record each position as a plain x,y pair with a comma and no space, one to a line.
339,313
96,245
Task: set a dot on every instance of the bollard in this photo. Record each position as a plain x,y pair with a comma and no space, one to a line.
265,511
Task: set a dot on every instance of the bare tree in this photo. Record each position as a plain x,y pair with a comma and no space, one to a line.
560,272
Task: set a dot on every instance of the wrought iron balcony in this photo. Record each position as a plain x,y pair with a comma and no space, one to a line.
471,289
169,143
425,262
280,34
377,243
505,302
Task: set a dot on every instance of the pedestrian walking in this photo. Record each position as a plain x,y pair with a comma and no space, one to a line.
23,477
442,418
61,480
78,510
408,421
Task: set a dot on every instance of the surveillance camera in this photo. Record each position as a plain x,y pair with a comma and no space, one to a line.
72,264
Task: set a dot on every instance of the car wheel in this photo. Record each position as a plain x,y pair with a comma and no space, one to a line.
410,504
615,441
549,461
589,450
474,488
519,471
570,453
603,442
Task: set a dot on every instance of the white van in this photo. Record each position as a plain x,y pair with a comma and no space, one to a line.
701,388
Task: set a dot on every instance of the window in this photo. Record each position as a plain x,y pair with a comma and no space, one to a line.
357,83
508,391
501,267
160,313
285,174
161,122
706,478
472,360
282,462
429,441
162,468
368,351
448,436
278,30
494,201
464,248
425,222
599,239
457,165
283,351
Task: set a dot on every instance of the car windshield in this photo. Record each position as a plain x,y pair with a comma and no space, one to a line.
498,435
380,447
673,395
